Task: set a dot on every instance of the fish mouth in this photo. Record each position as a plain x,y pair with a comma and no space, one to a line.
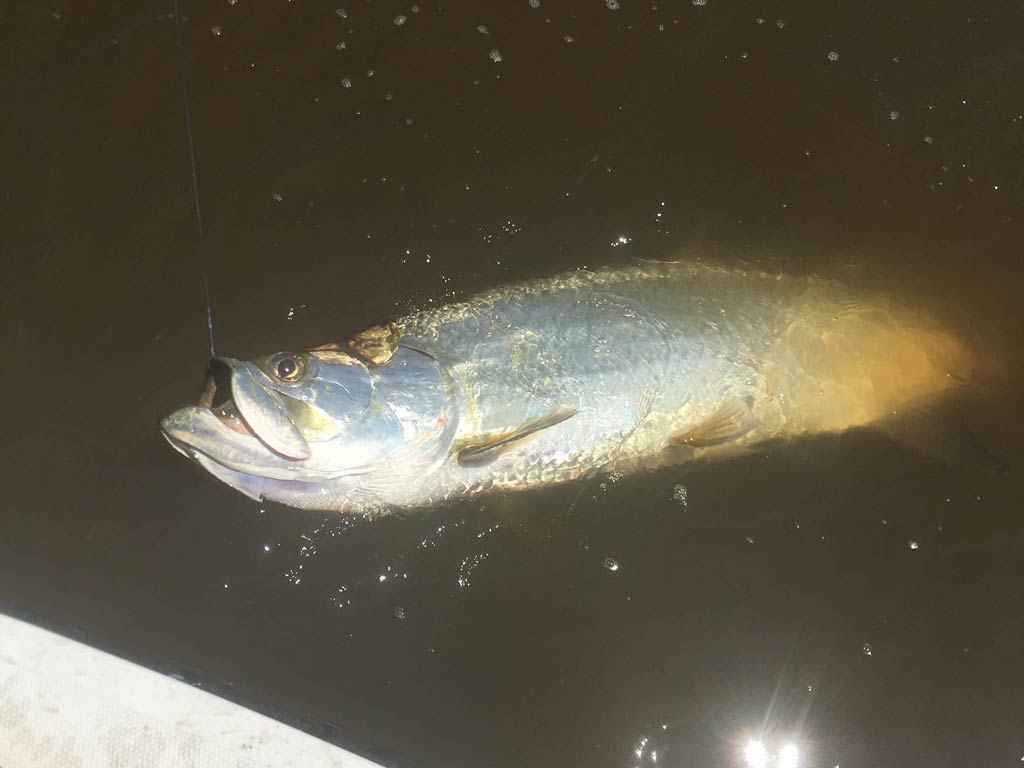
220,425
218,398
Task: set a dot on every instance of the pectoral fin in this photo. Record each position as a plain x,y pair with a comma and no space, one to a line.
490,448
730,422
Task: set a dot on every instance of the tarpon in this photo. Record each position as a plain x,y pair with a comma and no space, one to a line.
555,379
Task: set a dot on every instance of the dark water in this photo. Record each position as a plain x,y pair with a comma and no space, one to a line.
784,599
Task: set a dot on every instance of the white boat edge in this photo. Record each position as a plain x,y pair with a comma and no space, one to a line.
65,704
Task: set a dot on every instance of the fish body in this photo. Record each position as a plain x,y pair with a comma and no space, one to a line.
558,378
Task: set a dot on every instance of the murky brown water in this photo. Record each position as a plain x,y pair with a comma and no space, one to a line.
783,598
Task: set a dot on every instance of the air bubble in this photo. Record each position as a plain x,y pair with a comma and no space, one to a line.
495,55
913,544
894,115
833,56
217,29
400,20
611,564
346,82
613,5
866,649
278,197
679,494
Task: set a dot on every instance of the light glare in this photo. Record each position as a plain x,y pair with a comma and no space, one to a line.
756,755
789,756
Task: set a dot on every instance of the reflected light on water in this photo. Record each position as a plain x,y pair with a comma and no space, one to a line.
756,755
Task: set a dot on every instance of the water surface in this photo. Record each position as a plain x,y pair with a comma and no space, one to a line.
857,598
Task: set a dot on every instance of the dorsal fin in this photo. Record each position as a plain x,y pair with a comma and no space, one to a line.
489,448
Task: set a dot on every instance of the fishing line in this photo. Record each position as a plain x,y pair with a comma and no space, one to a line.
195,174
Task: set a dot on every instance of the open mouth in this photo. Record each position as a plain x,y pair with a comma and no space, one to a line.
217,397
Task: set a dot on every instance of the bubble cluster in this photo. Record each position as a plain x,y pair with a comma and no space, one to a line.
679,494
467,567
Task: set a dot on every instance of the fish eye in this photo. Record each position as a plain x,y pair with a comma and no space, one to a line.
287,367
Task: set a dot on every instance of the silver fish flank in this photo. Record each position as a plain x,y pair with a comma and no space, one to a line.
555,379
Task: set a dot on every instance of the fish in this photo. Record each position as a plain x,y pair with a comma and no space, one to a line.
551,380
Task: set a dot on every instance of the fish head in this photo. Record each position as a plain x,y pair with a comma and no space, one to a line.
293,427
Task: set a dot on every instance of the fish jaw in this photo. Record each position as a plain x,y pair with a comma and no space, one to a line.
195,430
